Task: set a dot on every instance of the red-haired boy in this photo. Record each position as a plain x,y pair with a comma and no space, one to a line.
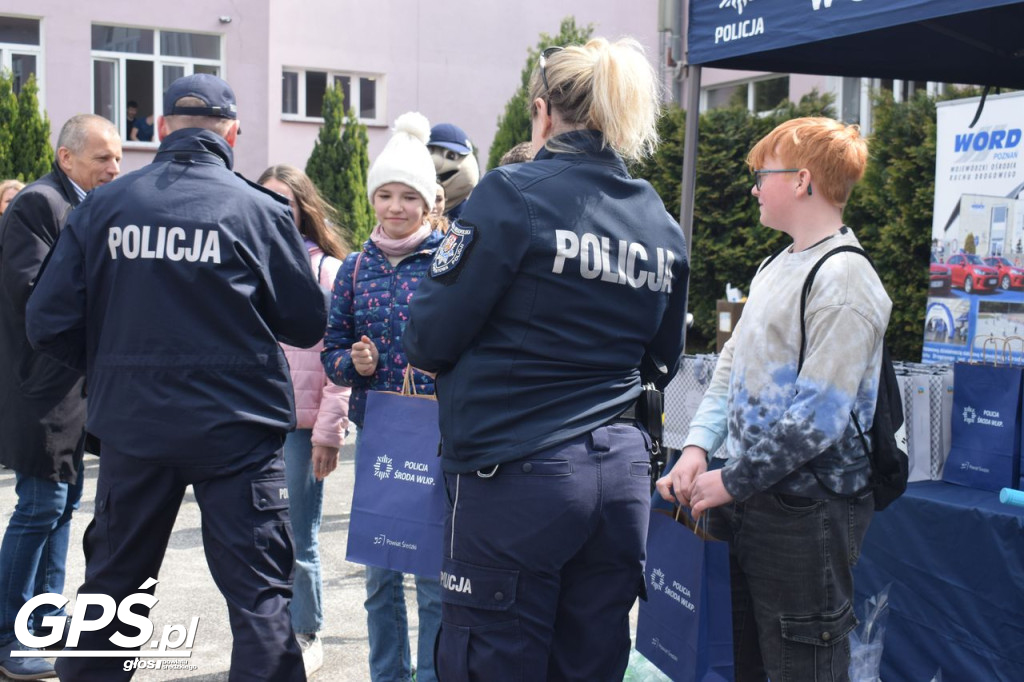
789,491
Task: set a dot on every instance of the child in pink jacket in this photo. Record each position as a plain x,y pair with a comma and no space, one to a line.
321,410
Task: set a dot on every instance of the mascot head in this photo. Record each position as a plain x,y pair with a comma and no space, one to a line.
455,163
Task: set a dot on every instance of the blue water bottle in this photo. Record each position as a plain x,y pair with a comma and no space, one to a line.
1011,496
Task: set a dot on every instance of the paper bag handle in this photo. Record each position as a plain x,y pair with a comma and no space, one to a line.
408,385
994,340
1008,347
695,526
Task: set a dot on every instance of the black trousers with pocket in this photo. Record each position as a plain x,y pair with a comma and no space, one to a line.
247,539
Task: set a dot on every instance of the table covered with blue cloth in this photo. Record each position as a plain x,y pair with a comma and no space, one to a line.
955,558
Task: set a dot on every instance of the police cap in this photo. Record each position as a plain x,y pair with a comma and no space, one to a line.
450,136
214,91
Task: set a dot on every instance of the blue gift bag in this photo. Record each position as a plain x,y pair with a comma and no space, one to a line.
685,625
986,424
397,515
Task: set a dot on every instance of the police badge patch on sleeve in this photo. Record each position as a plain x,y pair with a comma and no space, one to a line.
452,249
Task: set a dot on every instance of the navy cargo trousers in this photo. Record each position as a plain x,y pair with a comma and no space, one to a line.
247,539
543,559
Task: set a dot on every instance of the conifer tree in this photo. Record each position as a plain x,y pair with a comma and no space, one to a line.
31,151
356,145
969,245
514,124
339,164
8,121
891,212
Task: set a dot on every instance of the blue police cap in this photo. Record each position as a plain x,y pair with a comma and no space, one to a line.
450,136
214,91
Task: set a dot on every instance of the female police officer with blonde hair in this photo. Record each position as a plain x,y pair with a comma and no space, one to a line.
559,291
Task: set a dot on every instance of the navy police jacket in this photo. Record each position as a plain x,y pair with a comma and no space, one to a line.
170,288
562,274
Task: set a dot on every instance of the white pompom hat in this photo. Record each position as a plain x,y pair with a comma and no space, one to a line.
406,159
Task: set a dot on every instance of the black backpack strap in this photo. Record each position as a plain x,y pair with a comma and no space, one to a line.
770,258
807,289
888,459
803,309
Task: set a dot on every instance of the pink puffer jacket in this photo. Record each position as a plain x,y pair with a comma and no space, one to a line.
320,404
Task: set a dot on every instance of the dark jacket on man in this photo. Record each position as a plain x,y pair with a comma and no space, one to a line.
42,402
193,276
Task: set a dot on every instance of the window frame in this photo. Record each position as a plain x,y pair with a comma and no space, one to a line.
332,76
159,63
751,85
8,50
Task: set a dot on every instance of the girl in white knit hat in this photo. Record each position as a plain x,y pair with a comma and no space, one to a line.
363,349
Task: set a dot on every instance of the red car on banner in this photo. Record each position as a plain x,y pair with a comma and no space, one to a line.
940,277
1010,276
971,274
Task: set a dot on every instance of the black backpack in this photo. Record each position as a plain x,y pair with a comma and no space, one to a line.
890,465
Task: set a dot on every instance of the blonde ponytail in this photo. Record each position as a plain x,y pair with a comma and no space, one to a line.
609,87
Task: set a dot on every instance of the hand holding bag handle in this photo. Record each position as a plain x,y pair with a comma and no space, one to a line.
699,527
684,626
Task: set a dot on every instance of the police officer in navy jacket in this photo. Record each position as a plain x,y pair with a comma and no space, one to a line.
560,289
171,289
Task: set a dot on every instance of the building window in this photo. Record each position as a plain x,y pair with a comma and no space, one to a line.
726,96
316,85
758,96
20,51
290,93
902,91
767,95
302,94
138,64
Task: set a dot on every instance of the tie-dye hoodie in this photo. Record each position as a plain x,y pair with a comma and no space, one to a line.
788,433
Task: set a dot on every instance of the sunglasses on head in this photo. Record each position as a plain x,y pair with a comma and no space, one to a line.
543,63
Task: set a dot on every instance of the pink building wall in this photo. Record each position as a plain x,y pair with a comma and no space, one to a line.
66,65
455,61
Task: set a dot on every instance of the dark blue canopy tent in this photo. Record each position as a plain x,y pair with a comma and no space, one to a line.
952,41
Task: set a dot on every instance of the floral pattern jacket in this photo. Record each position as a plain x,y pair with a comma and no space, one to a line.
373,300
